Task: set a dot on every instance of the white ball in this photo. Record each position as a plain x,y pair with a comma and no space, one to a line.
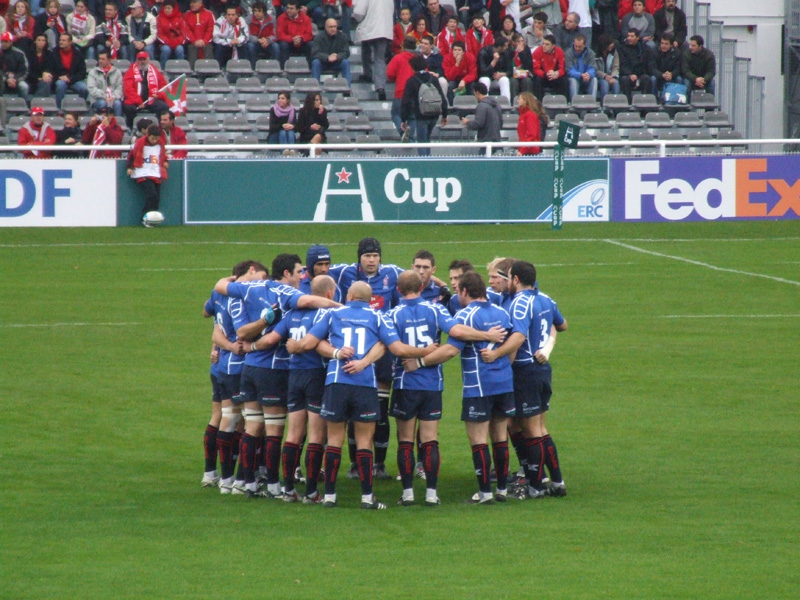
154,218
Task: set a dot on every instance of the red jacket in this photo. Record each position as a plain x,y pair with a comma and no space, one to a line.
177,137
130,88
443,43
473,46
199,25
114,135
399,71
171,29
528,129
289,28
467,70
27,28
43,136
651,6
400,34
542,62
136,156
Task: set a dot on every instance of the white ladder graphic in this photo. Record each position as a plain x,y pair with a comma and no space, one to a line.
322,208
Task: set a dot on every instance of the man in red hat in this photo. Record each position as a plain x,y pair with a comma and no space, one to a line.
14,67
36,133
142,87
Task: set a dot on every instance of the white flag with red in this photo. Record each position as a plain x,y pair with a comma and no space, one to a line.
175,92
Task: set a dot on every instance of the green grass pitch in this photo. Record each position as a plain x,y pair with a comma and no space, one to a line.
675,411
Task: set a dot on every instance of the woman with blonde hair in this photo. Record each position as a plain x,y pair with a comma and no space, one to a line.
532,122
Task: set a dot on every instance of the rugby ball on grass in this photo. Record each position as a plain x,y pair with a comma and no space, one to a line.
153,218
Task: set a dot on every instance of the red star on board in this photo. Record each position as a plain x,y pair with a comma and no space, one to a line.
344,176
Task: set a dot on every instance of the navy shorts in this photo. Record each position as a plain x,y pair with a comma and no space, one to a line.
383,368
424,405
216,389
306,387
267,386
227,385
342,402
483,408
532,390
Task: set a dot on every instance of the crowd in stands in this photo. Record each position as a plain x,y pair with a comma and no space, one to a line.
518,49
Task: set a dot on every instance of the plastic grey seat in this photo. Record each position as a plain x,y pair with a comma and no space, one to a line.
703,100
91,63
176,67
568,117
123,65
16,123
555,104
616,102
334,124
657,120
74,104
608,136
262,122
247,138
238,123
249,85
357,123
55,122
338,138
48,104
729,135
716,118
238,67
197,103
503,102
307,85
368,139
206,123
193,85
216,138
641,136
275,85
217,85
584,102
596,121
268,68
551,135
465,104
258,104
336,85
645,102
629,120
183,123
191,138
207,67
510,121
17,106
296,65
226,105
346,104
687,119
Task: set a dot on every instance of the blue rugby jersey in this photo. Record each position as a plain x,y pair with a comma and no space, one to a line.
383,284
335,271
420,323
431,292
225,309
296,324
503,300
256,296
360,327
480,378
532,314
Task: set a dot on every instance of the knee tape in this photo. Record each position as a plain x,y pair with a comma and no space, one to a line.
252,415
232,417
275,420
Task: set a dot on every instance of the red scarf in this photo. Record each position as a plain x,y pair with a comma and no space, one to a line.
152,80
79,23
98,140
112,30
54,21
19,24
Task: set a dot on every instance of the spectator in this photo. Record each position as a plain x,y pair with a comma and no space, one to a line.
549,69
282,121
580,65
313,10
70,70
36,133
635,65
112,33
436,16
294,33
230,37
142,87
20,24
41,68
565,32
81,25
51,23
508,27
172,135
494,68
534,34
451,33
375,31
105,85
699,65
521,65
433,60
199,31
671,19
345,7
143,30
552,8
398,72
608,15
532,122
642,21
171,33
478,37
141,130
467,8
607,67
103,130
330,51
488,116
14,65
412,111
262,42
147,165
420,29
312,120
69,135
582,8
460,70
666,65
402,28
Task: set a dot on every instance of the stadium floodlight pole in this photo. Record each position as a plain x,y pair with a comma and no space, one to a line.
568,134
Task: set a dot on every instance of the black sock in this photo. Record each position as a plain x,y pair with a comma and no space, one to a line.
364,461
483,465
225,447
237,441
518,441
239,448
351,442
333,457
430,462
383,429
247,457
551,459
314,454
260,452
289,460
272,456
535,462
405,464
419,445
299,453
210,447
500,451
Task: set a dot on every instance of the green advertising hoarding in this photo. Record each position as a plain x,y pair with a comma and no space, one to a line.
376,190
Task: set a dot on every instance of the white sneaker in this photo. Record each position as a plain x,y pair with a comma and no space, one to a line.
210,480
292,496
238,488
225,486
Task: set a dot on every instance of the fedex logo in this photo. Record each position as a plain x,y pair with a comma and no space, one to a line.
687,189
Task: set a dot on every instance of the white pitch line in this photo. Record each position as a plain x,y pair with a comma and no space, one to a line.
702,264
197,269
414,243
75,324
729,316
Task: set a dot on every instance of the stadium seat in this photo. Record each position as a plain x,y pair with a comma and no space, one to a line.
191,138
334,124
207,67
568,117
55,122
268,68
307,85
551,135
596,121
275,85
717,118
584,103
503,103
76,105
226,105
555,104
216,138
347,104
249,85
204,123
729,135
645,102
217,86
123,65
357,123
238,67
176,67
657,120
296,65
368,139
609,136
193,86
702,100
687,120
338,138
91,63
258,104
629,120
183,123
16,123
48,104
510,121
465,104
197,103
616,103
237,123
642,136
4,141
16,106
336,85
247,138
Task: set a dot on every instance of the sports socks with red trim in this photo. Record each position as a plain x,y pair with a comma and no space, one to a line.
482,461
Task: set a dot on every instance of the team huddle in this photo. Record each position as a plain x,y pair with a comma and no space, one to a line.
315,353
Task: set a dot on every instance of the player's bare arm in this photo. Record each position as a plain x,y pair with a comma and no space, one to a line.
221,340
495,335
375,353
437,357
327,350
308,342
512,344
